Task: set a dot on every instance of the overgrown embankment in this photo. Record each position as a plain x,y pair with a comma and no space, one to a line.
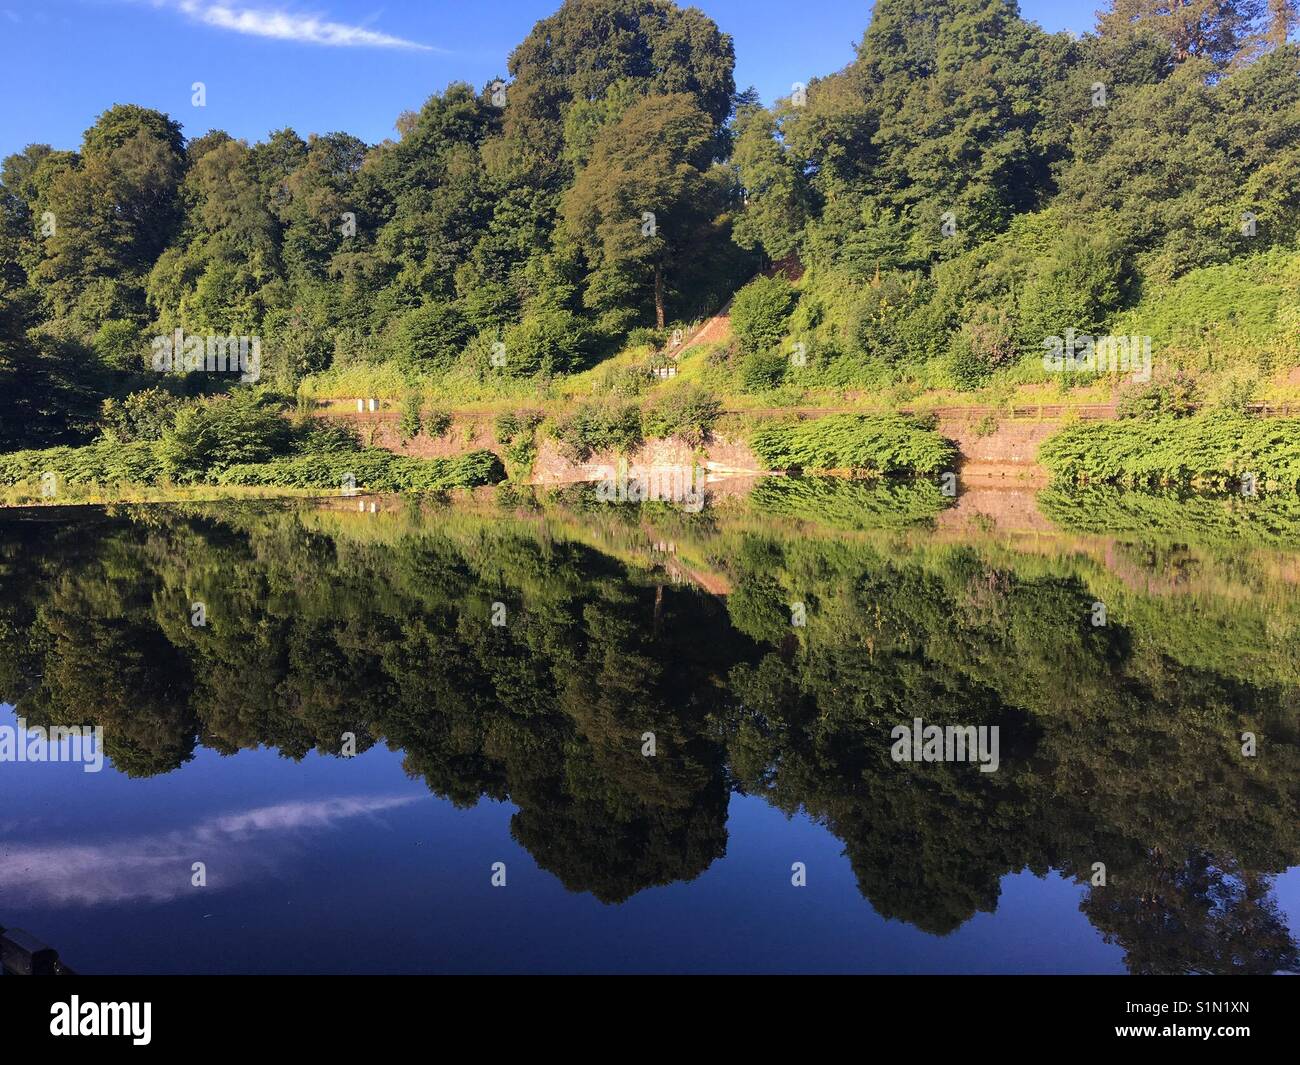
375,471
1218,450
238,442
871,444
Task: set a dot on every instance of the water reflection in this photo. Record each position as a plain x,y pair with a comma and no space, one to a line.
1121,743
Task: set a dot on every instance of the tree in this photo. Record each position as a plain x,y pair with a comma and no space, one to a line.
776,192
49,386
637,201
1174,165
318,194
114,212
760,311
948,123
430,337
1282,19
961,129
1217,30
1078,285
221,432
591,48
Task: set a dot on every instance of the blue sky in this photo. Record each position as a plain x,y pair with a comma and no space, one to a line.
353,65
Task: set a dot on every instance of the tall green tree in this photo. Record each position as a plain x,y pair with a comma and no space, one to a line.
111,216
641,197
590,49
777,196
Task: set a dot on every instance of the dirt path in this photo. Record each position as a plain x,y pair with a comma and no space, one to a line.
715,330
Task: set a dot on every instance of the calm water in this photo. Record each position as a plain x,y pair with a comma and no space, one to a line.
522,742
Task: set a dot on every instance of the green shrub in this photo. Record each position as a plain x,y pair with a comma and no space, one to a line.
372,470
511,424
760,311
103,462
437,421
1214,450
222,432
547,341
429,339
506,425
1179,397
410,422
644,337
522,451
985,343
968,370
687,412
1234,391
142,415
627,382
880,327
598,427
1079,284
868,443
1242,313
324,434
762,371
120,345
517,432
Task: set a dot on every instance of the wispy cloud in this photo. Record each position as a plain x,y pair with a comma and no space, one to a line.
156,868
288,26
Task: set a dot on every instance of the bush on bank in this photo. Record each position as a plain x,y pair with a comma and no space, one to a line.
1215,450
371,470
881,444
103,462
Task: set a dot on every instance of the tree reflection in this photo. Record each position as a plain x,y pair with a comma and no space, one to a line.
1120,743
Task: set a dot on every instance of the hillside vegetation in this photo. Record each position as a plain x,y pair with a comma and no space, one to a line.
922,225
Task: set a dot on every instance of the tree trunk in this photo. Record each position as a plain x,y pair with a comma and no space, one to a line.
659,296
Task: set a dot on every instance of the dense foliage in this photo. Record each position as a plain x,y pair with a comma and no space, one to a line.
971,185
371,470
1219,450
688,413
881,444
1176,516
499,235
237,441
104,463
968,186
598,426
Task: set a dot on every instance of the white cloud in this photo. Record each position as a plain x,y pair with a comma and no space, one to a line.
286,26
156,868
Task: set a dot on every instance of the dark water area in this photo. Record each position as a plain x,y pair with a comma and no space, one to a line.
671,734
